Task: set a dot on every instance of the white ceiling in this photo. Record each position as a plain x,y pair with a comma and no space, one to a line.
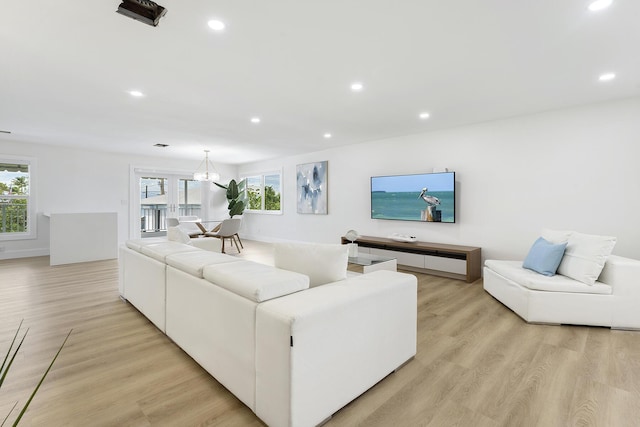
67,67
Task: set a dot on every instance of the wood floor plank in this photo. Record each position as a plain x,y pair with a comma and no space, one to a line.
433,385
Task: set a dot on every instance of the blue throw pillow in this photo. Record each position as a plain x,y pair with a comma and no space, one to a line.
544,257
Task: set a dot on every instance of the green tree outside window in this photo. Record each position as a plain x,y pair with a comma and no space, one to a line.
14,210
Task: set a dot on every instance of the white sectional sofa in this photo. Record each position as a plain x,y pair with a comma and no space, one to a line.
293,354
591,287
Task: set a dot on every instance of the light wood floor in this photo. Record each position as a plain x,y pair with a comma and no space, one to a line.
478,364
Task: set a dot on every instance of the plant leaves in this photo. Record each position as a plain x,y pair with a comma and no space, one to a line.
41,380
220,185
6,370
7,417
232,190
10,347
237,208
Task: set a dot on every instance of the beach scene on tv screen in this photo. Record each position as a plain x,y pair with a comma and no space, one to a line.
422,197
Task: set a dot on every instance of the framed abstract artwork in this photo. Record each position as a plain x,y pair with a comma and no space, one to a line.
311,184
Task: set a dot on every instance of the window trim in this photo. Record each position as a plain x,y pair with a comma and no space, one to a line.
262,175
32,232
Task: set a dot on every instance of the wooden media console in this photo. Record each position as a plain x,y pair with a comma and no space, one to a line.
439,259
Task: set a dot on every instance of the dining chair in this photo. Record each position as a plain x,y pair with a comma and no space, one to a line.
228,230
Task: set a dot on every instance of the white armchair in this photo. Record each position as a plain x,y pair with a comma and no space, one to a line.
591,287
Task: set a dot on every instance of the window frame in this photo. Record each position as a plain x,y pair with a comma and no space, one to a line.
32,232
262,176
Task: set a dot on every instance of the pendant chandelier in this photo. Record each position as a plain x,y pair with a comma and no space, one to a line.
207,174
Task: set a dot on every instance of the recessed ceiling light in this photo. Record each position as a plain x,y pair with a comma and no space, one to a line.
327,135
424,116
255,119
599,5
216,25
357,87
136,93
607,77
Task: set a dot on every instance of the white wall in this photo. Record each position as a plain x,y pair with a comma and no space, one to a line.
71,180
568,169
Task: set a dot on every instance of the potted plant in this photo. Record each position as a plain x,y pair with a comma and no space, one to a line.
236,196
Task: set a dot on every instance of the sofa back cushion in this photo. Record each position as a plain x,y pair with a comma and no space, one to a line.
177,234
160,251
556,236
137,244
585,256
323,263
194,262
254,281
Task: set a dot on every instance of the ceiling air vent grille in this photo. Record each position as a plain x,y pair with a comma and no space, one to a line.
142,10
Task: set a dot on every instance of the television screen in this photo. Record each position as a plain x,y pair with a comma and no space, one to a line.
428,197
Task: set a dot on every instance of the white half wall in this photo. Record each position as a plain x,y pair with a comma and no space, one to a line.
82,181
568,169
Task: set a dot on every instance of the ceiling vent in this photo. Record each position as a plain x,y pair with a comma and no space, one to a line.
142,10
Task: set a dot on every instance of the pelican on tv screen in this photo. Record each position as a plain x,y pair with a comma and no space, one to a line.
427,197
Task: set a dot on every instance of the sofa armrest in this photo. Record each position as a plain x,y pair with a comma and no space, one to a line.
319,349
622,274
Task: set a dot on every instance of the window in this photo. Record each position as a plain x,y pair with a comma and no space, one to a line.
158,201
16,207
264,192
159,195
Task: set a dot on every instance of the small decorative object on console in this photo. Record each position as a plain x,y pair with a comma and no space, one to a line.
352,236
403,238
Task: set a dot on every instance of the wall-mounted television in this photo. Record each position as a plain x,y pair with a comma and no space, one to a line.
427,197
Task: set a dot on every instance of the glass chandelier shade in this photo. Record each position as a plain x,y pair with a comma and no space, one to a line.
209,172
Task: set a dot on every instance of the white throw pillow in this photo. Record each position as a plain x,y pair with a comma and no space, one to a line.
323,263
556,236
177,234
585,256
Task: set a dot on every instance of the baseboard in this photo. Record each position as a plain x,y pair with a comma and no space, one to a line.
24,253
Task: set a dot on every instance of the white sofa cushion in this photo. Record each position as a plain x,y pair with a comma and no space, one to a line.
323,263
194,262
177,234
160,251
208,244
585,256
257,282
513,271
137,244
